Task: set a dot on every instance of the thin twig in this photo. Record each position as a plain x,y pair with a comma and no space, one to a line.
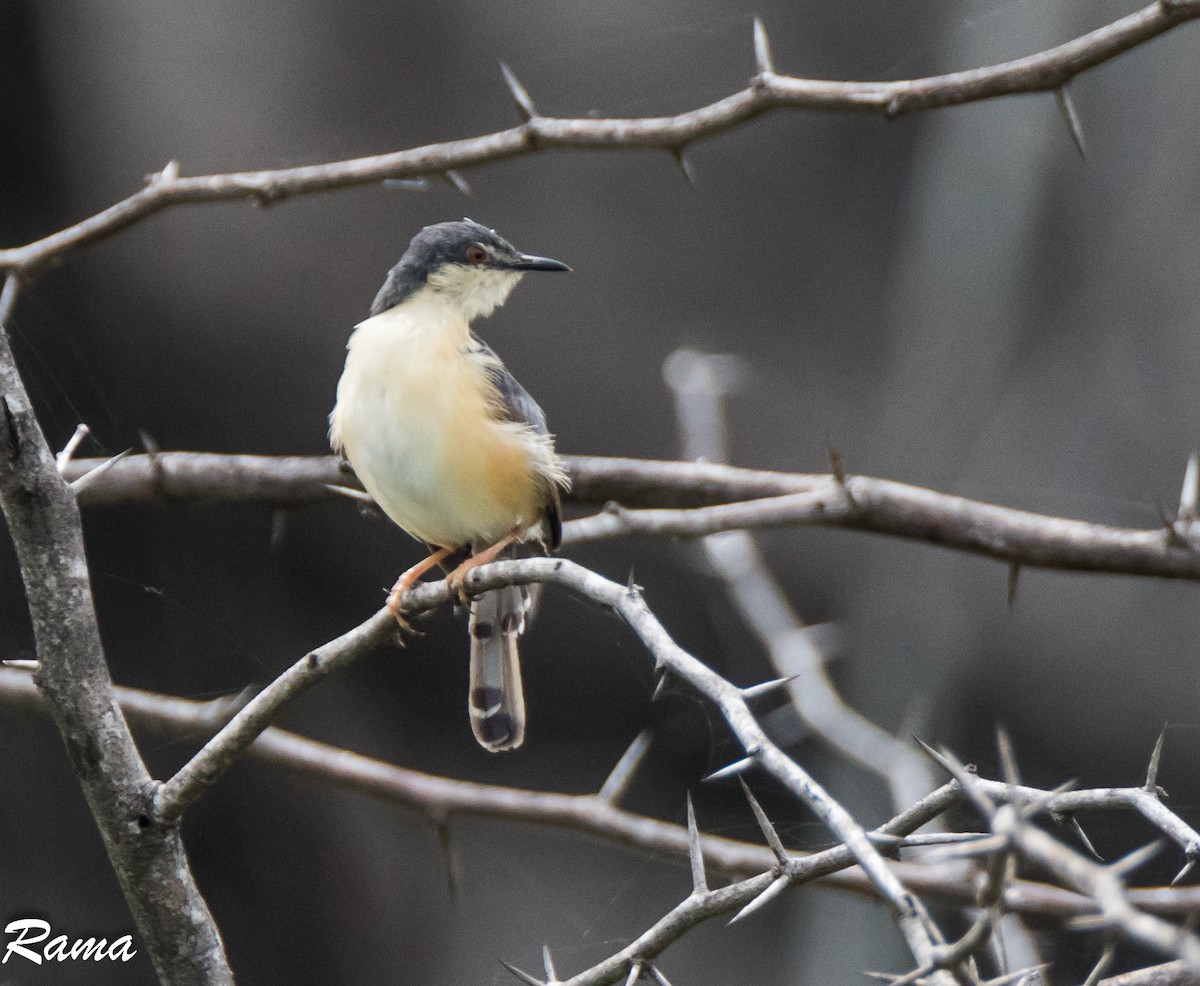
1047,71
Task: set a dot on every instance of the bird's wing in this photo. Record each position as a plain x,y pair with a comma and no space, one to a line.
517,405
516,401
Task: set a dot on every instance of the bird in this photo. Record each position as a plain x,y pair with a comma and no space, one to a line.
451,447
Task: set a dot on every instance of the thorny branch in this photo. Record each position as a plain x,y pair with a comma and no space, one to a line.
731,499
700,383
222,751
599,814
1047,71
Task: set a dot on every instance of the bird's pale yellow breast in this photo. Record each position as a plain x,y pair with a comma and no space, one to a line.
415,417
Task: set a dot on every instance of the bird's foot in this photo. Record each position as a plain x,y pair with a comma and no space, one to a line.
457,579
395,599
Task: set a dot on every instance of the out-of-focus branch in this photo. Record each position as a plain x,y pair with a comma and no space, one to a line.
43,518
1167,974
699,382
765,499
1047,71
441,798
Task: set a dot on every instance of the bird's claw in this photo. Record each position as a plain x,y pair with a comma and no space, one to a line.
456,581
395,605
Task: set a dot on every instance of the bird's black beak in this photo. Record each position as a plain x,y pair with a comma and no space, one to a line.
526,262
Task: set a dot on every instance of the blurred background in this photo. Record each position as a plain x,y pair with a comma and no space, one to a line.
954,299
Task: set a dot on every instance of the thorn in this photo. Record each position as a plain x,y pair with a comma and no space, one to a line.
657,973
631,585
635,973
1101,967
764,64
961,773
449,861
1172,529
764,823
148,443
695,851
1019,977
660,686
1187,868
68,453
519,94
156,467
456,179
734,768
934,755
617,782
522,975
835,462
21,665
1014,575
1151,785
967,849
1066,106
758,691
1131,861
918,975
776,887
169,173
1189,496
347,491
685,165
1083,837
1008,760
839,474
548,964
86,480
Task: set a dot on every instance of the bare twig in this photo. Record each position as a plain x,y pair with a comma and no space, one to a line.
171,916
218,755
1047,71
769,499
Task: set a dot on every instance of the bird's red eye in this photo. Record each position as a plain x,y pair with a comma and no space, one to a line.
477,254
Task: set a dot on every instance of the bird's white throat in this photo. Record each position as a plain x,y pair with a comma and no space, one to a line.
474,291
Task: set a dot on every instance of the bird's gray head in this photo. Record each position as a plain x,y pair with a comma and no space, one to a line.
464,264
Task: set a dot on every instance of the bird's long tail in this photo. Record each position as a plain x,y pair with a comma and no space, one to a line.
497,702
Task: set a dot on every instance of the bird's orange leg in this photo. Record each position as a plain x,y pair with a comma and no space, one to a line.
456,578
395,600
